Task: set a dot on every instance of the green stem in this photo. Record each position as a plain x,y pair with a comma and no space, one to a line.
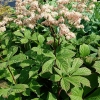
55,47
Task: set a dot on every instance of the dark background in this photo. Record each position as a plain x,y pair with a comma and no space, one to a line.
12,4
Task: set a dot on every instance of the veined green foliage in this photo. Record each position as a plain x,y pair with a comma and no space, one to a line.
40,64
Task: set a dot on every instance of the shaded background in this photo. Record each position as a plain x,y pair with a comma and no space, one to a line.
12,4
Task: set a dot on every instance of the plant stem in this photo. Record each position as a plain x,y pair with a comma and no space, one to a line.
9,70
55,47
54,36
11,74
59,90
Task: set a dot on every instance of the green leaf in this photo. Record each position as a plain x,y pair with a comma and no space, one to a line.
89,59
50,39
34,37
18,33
24,40
76,93
50,96
38,49
49,54
62,64
55,77
77,80
33,71
65,53
84,81
74,80
97,66
41,39
47,66
27,62
82,71
65,84
18,88
12,51
99,81
27,34
17,58
4,92
58,71
3,65
77,62
84,50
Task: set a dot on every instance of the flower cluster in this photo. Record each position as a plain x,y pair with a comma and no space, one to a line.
28,12
64,30
4,22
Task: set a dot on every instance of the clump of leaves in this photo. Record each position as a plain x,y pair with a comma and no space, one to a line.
38,65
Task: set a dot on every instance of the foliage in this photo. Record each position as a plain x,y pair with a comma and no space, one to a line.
39,65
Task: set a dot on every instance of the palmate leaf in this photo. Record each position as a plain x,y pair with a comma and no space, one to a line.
18,88
4,92
27,33
41,39
18,33
74,80
48,54
83,81
84,50
62,64
65,53
27,62
82,71
17,58
38,49
58,71
78,80
3,65
76,93
47,66
77,62
97,66
50,96
12,51
55,78
33,71
65,84
24,40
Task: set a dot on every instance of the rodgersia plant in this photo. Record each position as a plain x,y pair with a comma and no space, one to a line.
40,57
